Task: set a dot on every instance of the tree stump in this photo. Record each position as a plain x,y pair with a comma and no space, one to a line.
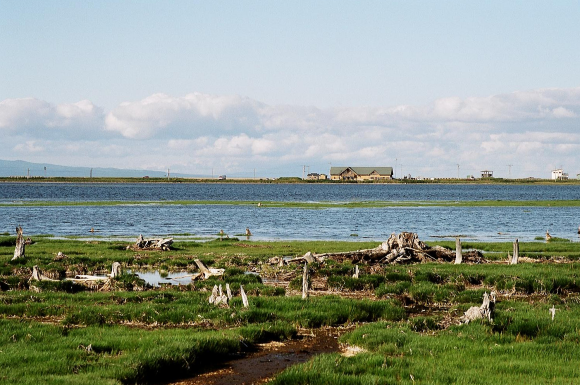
305,281
20,243
244,297
458,256
516,255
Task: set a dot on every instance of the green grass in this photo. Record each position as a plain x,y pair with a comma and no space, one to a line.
521,346
34,353
144,335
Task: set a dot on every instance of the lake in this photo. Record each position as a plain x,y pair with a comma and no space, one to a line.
476,223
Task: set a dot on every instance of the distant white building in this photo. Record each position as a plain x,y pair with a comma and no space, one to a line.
559,174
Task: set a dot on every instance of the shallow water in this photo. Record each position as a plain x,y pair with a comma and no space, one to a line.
431,223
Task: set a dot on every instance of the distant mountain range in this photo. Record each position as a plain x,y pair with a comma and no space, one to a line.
21,168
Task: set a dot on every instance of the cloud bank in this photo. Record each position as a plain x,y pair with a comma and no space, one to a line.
533,131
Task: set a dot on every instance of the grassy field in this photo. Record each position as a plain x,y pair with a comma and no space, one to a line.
407,315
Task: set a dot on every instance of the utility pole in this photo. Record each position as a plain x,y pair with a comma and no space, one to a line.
28,174
167,174
91,174
458,171
212,173
254,173
303,170
396,168
510,170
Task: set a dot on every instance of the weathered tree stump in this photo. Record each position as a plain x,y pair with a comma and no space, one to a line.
458,256
484,311
516,255
37,275
244,297
20,243
305,281
356,272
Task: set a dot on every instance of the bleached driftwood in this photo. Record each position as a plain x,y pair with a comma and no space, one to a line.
244,297
20,242
458,255
208,271
151,244
305,282
398,249
38,276
516,256
217,296
553,311
484,311
115,271
228,292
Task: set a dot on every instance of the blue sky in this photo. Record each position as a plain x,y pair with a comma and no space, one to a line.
238,85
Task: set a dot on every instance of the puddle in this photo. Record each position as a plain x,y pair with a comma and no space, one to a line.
155,278
269,360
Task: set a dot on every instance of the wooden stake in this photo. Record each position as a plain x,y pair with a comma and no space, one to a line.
305,282
516,255
355,275
458,255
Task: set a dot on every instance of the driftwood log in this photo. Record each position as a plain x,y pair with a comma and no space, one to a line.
208,271
484,311
398,249
151,244
20,243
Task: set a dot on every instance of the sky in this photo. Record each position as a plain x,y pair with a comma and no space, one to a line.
243,88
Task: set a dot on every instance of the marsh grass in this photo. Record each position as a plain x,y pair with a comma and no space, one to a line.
521,346
171,329
34,353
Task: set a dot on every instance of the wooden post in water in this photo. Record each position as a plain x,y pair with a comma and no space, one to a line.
458,255
305,282
516,252
20,242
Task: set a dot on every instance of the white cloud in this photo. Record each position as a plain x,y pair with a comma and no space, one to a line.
28,146
40,119
203,132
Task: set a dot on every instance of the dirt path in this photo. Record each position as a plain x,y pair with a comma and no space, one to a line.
270,359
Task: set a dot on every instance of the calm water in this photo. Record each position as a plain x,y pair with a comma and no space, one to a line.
481,223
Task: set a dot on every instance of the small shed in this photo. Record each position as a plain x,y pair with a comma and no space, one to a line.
487,174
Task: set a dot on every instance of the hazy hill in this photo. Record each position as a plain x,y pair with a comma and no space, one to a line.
22,168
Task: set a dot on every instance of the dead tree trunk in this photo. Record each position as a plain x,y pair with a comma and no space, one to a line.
244,297
516,255
458,256
305,282
20,242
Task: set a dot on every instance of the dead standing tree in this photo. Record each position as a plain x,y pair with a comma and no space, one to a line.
20,243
